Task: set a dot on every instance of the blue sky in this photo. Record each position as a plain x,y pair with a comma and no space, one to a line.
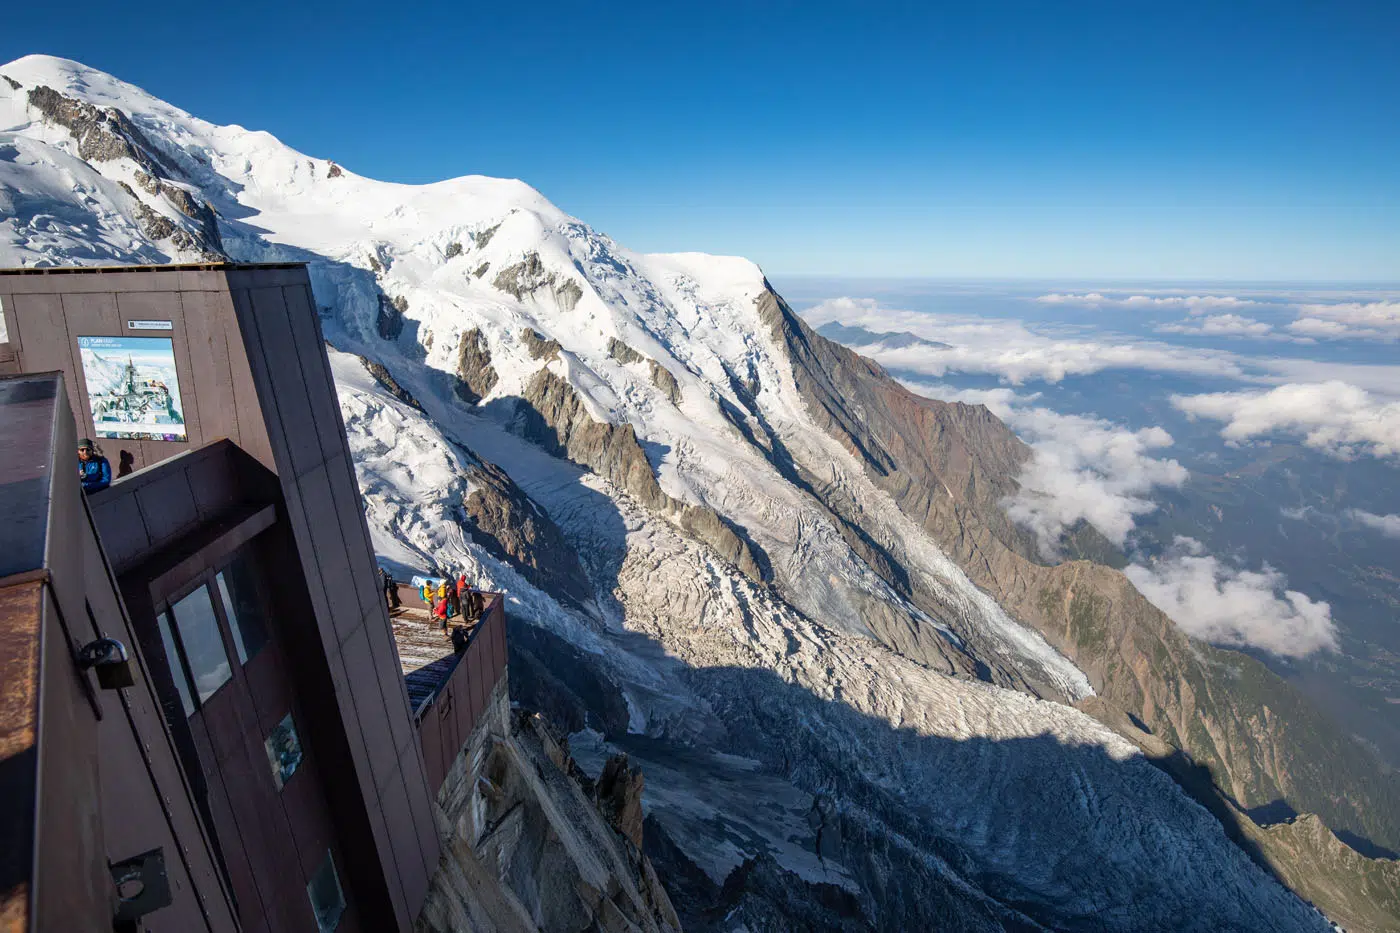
1118,140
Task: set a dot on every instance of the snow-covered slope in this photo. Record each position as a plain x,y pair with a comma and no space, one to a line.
730,625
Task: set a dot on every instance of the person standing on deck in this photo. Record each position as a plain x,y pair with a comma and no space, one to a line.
93,469
391,589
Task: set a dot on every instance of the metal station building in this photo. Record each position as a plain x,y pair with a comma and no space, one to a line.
204,724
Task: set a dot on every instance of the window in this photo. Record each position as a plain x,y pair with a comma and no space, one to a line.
283,751
206,662
327,899
239,591
177,667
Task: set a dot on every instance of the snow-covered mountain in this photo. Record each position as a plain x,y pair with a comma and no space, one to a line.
722,555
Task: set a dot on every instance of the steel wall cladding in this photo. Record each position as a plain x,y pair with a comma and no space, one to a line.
252,367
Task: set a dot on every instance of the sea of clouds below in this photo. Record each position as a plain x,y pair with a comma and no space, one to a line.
1089,468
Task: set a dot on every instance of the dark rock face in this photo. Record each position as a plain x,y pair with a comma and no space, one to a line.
155,226
12,82
333,171
197,210
524,277
389,319
568,294
618,791
622,352
482,270
386,379
149,183
483,238
661,378
475,377
948,466
529,276
538,347
502,519
453,249
102,135
555,419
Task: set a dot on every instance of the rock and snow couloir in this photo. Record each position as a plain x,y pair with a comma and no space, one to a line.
840,730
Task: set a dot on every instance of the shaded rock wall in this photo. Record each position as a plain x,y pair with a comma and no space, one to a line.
475,377
525,847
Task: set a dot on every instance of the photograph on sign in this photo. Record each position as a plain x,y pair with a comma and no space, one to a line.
133,390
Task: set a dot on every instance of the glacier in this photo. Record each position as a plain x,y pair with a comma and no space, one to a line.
812,732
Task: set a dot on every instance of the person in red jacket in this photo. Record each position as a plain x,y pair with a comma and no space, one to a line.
440,610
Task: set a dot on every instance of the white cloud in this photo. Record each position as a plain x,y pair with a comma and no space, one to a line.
1007,348
1388,525
1374,320
1080,468
1228,606
1219,325
1335,417
1195,304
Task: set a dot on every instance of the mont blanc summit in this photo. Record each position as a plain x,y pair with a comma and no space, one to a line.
779,581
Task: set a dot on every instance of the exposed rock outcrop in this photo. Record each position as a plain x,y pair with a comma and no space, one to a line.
525,278
569,293
389,319
555,418
525,847
483,239
453,249
475,377
618,792
103,134
661,378
382,375
622,352
503,520
538,347
154,225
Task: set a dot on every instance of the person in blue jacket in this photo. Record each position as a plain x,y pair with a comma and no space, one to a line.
93,468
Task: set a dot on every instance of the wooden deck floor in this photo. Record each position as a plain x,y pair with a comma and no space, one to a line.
425,653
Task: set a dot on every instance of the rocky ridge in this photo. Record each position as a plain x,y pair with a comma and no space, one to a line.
848,673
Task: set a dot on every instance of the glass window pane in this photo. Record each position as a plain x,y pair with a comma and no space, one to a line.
204,646
327,900
243,608
177,667
283,751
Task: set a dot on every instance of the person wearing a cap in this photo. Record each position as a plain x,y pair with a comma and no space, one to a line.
93,468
